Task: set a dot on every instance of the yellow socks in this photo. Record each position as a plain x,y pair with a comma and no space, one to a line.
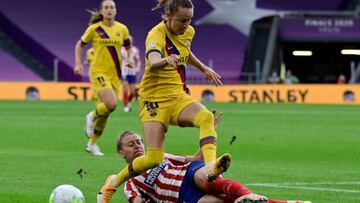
100,114
100,111
152,159
204,120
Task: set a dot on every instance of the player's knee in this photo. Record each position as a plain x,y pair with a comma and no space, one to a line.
111,106
203,118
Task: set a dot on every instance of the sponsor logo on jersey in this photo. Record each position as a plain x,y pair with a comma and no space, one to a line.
154,173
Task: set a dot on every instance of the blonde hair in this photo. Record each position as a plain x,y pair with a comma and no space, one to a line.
172,5
121,136
96,16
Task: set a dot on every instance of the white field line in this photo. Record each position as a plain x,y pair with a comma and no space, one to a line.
297,112
317,183
302,186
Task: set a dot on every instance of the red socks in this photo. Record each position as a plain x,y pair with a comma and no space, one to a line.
130,97
125,98
230,188
276,201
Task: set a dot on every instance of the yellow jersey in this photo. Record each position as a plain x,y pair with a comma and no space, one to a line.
166,83
90,55
107,42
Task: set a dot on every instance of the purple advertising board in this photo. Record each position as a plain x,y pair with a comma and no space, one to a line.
313,5
320,28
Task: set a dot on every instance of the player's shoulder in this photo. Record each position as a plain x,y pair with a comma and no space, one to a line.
94,25
158,29
190,32
121,25
135,48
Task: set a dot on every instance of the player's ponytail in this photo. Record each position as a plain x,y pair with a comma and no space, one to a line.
173,5
95,16
160,4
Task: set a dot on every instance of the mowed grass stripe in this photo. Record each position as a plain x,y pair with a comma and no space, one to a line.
42,146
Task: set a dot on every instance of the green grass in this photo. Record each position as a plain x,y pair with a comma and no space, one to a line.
309,152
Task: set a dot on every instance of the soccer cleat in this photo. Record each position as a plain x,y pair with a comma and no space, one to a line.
251,198
106,191
126,109
94,149
221,165
90,125
297,201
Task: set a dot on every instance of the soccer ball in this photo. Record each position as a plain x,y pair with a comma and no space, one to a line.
66,194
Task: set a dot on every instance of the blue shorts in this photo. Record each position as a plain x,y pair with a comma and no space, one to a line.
131,79
189,193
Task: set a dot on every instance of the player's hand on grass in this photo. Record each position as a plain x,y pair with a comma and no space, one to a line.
145,201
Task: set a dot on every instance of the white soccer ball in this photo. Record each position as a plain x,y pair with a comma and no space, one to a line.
66,194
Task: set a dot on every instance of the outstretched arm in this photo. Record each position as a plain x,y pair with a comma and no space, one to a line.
210,73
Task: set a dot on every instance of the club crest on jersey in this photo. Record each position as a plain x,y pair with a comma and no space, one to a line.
153,112
154,173
117,34
151,45
151,107
187,43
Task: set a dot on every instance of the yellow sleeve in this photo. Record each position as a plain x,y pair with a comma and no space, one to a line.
192,33
88,35
155,42
125,33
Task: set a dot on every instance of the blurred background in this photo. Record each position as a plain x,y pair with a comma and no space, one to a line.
306,151
246,41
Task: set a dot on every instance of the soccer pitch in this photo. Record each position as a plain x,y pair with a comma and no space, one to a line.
283,151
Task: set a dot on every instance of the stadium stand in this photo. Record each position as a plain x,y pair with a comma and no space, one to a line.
58,25
13,70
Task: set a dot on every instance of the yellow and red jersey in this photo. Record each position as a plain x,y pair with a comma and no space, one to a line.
167,82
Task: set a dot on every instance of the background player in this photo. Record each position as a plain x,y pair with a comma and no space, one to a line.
106,36
129,74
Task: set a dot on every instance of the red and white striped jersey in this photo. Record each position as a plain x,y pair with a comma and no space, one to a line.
135,56
162,184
